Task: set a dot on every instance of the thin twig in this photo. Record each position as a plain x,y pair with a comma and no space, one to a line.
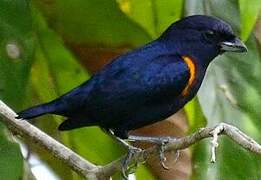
93,172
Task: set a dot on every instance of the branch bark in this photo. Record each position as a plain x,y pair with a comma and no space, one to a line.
30,132
93,172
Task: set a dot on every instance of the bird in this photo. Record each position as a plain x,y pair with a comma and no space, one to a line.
147,84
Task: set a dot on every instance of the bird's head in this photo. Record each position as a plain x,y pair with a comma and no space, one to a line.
203,37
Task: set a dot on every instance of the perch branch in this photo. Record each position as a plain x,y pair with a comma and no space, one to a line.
30,132
176,144
93,172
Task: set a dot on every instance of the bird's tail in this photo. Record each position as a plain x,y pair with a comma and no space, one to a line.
35,111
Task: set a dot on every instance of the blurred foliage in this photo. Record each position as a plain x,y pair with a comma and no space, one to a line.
93,22
230,94
11,160
248,14
15,31
153,15
45,68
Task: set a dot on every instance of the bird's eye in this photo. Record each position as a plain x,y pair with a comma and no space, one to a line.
209,34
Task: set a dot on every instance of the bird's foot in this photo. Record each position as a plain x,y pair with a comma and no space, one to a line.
162,157
130,163
161,142
127,166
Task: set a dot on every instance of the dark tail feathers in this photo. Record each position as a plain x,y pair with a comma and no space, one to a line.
34,111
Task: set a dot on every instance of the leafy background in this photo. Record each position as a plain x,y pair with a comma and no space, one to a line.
62,42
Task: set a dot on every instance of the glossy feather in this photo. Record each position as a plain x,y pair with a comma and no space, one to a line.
142,86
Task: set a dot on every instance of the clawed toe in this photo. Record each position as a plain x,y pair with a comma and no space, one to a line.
162,156
130,164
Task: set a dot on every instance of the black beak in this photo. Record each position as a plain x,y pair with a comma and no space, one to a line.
233,46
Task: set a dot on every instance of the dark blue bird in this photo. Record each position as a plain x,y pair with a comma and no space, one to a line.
147,84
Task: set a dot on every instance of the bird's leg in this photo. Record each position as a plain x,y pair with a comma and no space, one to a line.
126,169
160,141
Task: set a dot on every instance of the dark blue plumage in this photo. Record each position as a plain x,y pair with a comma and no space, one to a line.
145,85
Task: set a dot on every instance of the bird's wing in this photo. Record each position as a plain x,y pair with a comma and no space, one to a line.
167,75
127,88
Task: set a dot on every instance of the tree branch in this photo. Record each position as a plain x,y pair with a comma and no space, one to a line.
30,132
93,172
176,144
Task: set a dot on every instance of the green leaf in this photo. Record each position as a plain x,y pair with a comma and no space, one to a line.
11,160
230,94
202,169
144,173
196,119
165,13
15,35
140,12
94,22
16,52
192,7
230,157
249,11
153,15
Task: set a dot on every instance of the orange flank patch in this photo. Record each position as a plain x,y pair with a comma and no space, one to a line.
192,71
